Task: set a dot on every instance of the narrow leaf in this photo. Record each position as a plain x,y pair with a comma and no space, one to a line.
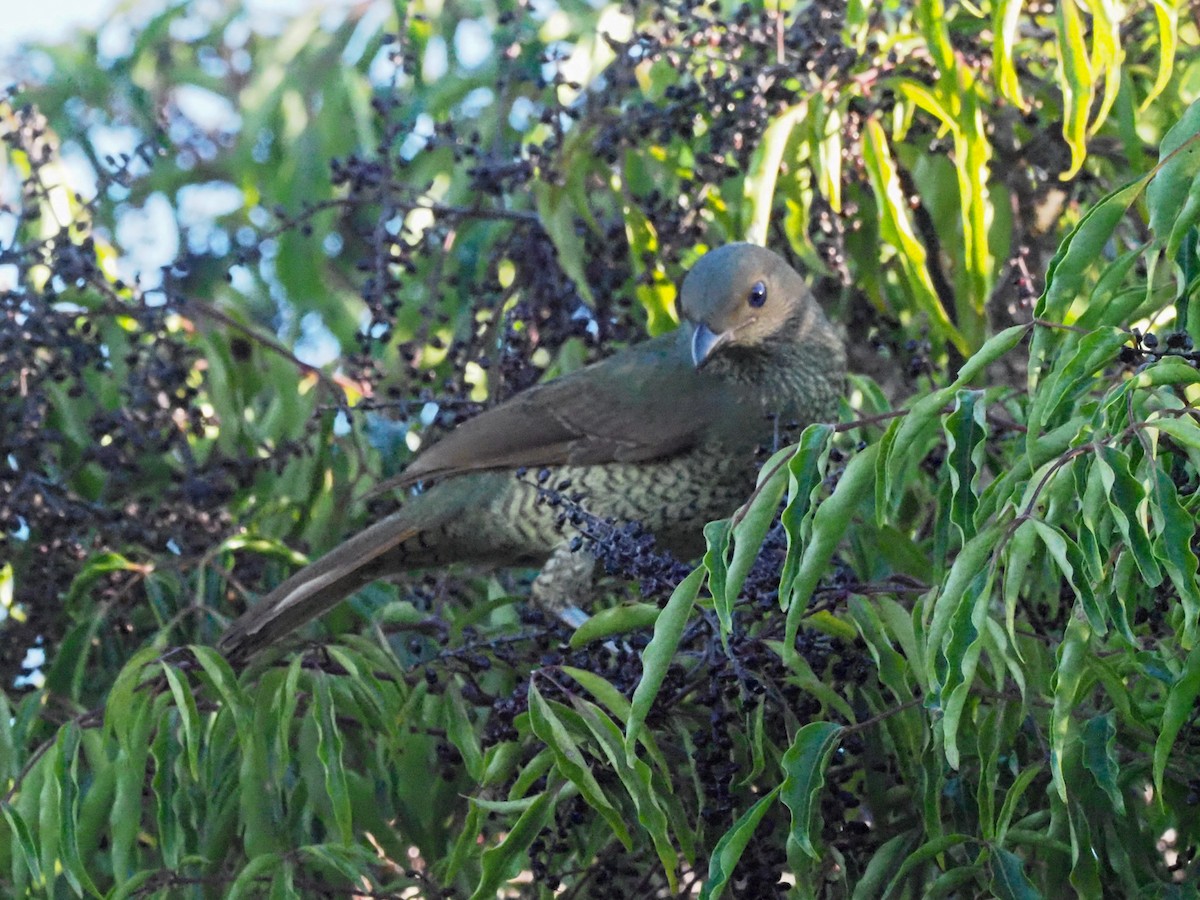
500,862
830,522
729,848
660,652
329,752
569,761
965,433
759,185
1009,880
1100,758
804,764
1178,711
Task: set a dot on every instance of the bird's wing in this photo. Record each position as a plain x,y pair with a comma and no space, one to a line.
644,403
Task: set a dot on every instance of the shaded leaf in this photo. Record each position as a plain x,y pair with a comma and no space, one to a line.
729,848
804,765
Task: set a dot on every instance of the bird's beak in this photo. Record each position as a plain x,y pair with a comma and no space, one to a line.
704,342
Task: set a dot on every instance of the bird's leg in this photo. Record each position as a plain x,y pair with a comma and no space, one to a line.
565,579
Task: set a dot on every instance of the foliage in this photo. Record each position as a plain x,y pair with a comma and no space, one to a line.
947,647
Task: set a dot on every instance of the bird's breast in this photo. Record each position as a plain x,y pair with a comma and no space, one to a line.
672,498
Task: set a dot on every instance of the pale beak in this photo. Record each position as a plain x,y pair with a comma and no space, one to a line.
704,342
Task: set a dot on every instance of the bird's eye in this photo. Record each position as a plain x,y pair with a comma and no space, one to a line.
758,294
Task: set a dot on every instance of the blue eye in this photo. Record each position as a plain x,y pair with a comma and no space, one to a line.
758,294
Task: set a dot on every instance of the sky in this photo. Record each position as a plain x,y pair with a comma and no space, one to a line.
55,19
51,20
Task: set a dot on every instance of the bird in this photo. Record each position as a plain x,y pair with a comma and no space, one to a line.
666,433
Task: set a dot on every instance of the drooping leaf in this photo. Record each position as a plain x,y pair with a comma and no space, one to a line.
804,765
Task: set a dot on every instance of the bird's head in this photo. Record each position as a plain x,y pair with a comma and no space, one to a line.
742,299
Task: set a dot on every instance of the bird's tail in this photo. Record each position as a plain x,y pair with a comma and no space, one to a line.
321,585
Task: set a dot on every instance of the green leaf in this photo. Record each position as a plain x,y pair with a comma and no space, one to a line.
1085,866
966,430
571,764
897,229
759,185
804,765
615,620
500,862
952,882
805,475
830,522
329,752
884,865
461,732
750,526
533,770
893,668
602,689
931,19
120,717
961,650
557,208
1174,179
660,652
1168,370
1178,711
1009,881
1111,304
729,848
189,717
1167,18
638,782
166,787
1176,530
221,675
1107,55
1078,251
616,703
1100,758
826,153
1075,79
366,689
931,849
286,702
1013,797
954,103
48,810
348,862
1073,374
1126,497
956,609
1006,17
465,845
10,759
655,291
718,537
24,842
899,621
807,680
254,876
1018,557
755,727
136,724
920,423
1072,665
1069,558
